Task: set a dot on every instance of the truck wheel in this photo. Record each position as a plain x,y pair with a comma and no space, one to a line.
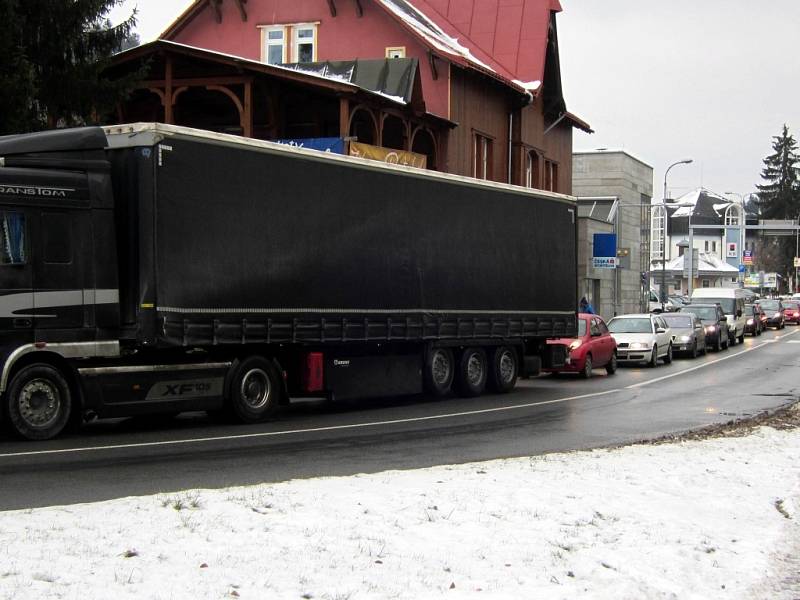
255,390
439,371
472,372
38,403
504,369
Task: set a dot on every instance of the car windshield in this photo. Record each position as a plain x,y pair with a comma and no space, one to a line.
770,305
725,303
791,305
678,321
630,325
581,328
707,313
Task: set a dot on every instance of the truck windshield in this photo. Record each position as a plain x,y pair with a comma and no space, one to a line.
630,325
12,230
726,304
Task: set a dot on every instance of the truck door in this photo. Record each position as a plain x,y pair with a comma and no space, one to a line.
60,260
16,277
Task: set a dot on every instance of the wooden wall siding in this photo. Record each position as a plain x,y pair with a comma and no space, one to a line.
556,145
477,105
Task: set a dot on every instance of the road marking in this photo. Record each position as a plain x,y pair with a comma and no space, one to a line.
268,434
793,342
713,362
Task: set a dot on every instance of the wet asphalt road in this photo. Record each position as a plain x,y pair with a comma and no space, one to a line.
546,414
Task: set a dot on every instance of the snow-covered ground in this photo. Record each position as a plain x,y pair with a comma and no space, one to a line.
702,519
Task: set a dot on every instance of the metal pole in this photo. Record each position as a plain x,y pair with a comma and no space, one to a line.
691,257
663,294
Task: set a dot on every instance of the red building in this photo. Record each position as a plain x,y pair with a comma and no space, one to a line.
487,73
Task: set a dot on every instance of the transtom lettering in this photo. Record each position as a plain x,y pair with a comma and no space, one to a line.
24,190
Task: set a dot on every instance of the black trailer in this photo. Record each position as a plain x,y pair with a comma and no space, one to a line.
156,269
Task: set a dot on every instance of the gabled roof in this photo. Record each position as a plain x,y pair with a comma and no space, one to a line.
507,38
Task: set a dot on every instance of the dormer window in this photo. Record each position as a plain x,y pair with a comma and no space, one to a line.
293,43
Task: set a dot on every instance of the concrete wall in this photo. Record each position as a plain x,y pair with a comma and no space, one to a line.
621,175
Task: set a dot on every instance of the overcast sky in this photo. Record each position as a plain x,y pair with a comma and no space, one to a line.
711,80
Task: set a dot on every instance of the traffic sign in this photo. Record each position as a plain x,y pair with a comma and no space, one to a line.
742,268
747,257
797,261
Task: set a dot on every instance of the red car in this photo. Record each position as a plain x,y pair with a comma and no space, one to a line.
792,312
594,347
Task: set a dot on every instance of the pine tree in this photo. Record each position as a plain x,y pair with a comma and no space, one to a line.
58,50
779,198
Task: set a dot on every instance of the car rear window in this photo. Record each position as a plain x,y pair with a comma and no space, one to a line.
726,304
677,320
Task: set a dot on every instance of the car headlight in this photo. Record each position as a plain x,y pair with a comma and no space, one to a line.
711,329
777,315
575,344
686,338
639,346
750,321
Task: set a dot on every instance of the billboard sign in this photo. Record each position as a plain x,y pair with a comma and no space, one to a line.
604,251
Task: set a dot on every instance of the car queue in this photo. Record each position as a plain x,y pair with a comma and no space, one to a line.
709,321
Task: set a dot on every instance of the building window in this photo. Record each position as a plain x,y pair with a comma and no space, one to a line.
532,170
706,283
714,246
274,45
657,247
396,52
289,43
305,44
706,245
482,154
550,176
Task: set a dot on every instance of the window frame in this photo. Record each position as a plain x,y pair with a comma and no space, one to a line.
25,258
482,159
296,40
395,52
266,43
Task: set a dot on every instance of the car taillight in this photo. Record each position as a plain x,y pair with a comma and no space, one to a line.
313,372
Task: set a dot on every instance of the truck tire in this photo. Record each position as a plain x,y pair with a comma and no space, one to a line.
439,371
471,373
254,393
504,369
38,403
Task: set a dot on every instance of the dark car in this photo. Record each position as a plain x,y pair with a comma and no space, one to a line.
688,333
755,319
714,322
775,313
791,311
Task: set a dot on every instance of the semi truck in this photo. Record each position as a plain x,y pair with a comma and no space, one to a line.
155,269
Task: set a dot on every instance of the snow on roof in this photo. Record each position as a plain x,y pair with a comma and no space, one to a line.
431,32
531,86
706,263
688,203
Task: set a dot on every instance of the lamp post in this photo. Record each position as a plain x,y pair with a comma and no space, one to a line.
663,294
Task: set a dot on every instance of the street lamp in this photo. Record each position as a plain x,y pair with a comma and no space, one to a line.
685,161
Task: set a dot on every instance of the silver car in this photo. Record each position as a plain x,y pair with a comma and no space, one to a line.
642,338
688,333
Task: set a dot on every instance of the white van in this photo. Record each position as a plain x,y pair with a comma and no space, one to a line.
732,301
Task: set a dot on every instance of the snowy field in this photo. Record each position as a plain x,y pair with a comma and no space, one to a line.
701,519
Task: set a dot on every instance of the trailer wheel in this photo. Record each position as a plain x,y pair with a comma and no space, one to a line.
472,372
439,371
38,403
255,390
504,369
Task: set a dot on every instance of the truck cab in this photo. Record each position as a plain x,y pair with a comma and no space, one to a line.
58,290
